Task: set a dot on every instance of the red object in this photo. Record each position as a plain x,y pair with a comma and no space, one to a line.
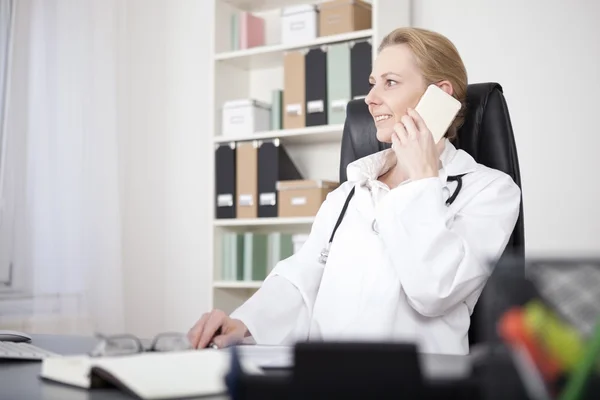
252,29
513,330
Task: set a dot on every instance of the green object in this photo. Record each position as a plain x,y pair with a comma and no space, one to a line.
338,82
225,256
232,256
281,246
562,341
255,256
237,250
276,113
235,31
575,387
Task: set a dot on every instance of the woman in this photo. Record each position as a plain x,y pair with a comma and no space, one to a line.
404,265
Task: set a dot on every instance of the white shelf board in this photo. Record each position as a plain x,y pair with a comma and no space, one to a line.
242,222
237,284
272,56
262,5
310,135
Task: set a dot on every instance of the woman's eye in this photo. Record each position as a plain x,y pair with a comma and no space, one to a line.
390,82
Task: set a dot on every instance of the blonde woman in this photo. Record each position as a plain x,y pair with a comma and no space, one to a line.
406,264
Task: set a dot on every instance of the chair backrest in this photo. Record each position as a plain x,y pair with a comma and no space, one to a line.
486,135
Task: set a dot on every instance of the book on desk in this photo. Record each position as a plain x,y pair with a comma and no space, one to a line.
148,375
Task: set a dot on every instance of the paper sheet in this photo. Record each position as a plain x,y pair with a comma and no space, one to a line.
267,356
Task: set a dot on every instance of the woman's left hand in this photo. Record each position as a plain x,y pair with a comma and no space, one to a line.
415,149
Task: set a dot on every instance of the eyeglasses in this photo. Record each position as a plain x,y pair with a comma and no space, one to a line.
126,344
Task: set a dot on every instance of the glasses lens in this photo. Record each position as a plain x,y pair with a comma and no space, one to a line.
172,343
121,346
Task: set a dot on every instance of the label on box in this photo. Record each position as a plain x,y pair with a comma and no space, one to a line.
236,119
294,109
297,25
334,19
314,106
298,201
246,200
339,105
225,200
267,199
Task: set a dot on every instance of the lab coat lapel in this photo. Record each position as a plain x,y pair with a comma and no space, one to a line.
454,162
366,171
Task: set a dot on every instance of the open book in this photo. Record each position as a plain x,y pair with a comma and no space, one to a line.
148,375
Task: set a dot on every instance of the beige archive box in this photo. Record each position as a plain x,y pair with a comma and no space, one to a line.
302,198
343,16
294,96
247,179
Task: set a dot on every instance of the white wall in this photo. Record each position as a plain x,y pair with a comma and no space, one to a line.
165,80
545,54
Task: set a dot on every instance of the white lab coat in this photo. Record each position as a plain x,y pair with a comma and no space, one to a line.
403,266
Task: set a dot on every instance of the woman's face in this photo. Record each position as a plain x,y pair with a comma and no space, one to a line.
397,84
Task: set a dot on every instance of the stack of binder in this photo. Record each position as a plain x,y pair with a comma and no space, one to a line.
246,178
225,180
320,81
250,256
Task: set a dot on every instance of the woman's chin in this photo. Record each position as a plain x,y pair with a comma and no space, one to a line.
384,135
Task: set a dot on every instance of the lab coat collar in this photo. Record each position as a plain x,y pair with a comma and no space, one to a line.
371,167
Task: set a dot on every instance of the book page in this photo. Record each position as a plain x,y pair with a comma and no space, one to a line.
172,374
71,370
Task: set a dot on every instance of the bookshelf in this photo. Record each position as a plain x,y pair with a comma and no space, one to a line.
272,56
237,284
255,73
274,222
310,135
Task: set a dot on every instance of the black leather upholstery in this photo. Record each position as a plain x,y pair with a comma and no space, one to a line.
486,134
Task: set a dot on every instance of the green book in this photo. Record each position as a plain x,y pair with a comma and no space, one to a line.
255,256
235,31
237,256
338,82
225,256
232,256
281,247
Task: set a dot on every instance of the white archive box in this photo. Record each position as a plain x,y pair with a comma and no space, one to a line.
299,23
245,117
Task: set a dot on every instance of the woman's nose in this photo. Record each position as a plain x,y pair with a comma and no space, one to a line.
372,98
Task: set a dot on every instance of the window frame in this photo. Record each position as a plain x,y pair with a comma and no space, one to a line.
11,279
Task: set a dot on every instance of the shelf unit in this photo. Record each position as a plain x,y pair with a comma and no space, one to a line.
272,56
310,135
255,72
250,222
237,284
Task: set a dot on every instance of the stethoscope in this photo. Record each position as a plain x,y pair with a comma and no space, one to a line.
325,252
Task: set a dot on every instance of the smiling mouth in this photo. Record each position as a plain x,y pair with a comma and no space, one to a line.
383,117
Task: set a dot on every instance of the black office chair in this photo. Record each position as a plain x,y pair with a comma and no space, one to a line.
486,134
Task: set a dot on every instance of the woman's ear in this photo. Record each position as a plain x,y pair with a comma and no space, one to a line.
446,86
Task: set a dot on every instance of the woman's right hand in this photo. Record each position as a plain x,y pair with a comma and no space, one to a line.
216,327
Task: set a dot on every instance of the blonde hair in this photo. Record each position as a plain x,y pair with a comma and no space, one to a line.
438,59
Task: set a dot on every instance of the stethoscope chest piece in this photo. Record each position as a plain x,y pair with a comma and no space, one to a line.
324,254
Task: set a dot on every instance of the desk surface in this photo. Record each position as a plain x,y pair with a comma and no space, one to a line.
20,379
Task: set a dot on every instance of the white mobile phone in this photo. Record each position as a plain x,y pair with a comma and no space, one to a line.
438,109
